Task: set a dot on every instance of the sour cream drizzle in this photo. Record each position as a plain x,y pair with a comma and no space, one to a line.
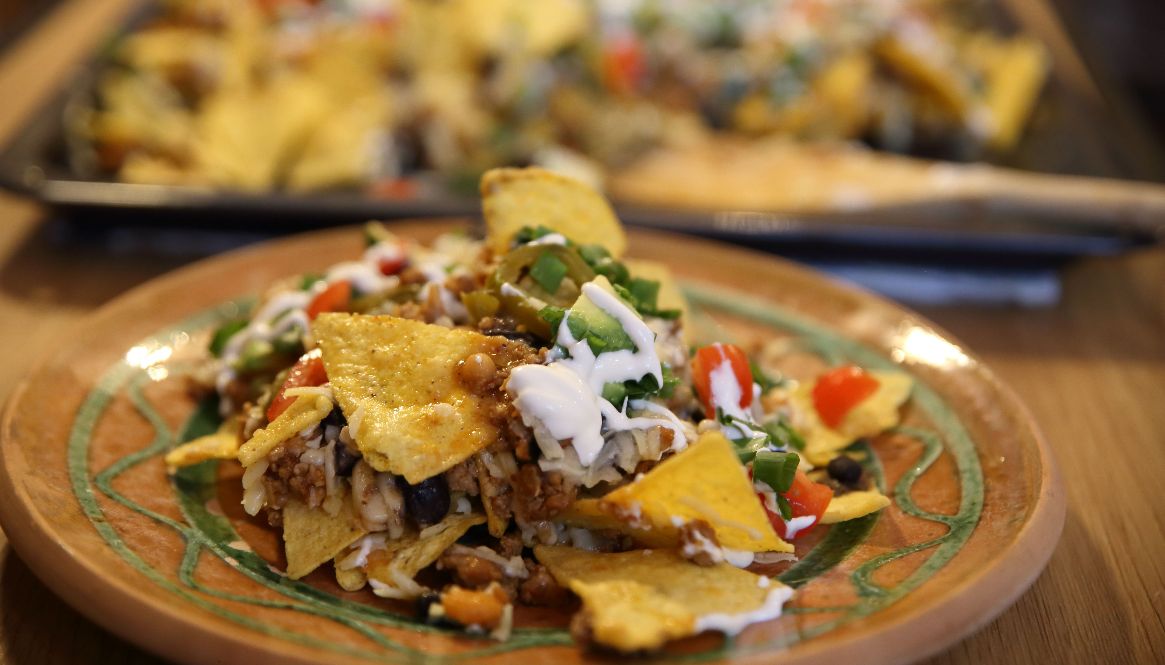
565,396
732,624
285,311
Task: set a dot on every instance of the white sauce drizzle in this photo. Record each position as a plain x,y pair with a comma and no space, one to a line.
565,396
287,310
731,624
549,239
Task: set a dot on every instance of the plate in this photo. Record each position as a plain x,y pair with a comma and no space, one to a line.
173,564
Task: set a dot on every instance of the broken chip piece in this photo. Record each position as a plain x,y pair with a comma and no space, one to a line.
639,600
312,536
704,482
873,415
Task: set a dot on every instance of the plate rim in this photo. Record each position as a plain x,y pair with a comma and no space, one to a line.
116,604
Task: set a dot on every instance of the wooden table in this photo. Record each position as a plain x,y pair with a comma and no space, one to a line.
1091,369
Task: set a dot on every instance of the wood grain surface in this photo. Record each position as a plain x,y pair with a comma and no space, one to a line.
1091,369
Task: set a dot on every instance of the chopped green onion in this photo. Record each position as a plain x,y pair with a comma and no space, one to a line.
766,382
548,271
309,280
645,292
783,435
593,254
775,469
223,335
785,507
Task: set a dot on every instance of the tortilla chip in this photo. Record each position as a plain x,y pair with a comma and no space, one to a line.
704,482
312,537
223,444
515,198
409,555
854,505
304,412
639,600
396,381
873,415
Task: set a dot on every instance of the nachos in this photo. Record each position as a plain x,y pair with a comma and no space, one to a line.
519,419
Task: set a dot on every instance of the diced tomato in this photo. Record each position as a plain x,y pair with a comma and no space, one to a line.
623,65
332,299
840,390
307,371
707,360
391,265
806,498
395,189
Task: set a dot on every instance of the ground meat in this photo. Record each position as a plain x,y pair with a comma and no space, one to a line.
696,539
463,478
511,545
286,477
469,569
540,495
495,491
540,588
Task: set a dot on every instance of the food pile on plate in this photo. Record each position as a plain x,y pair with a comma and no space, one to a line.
261,95
524,420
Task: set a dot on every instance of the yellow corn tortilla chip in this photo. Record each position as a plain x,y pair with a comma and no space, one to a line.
396,381
873,415
639,600
514,198
304,412
223,444
704,482
854,505
311,536
409,555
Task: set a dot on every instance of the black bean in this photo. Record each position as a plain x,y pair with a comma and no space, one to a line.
346,458
428,501
424,606
844,470
336,417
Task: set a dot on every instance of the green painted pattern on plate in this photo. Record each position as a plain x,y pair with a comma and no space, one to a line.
208,533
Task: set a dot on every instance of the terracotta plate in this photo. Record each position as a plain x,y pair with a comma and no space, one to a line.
173,564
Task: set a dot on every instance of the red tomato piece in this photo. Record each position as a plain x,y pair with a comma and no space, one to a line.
307,371
840,390
806,498
623,65
707,360
332,299
393,265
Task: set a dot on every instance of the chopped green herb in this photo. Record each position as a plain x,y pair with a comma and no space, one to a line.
615,393
224,333
548,271
783,435
552,315
785,507
775,469
645,292
530,233
309,280
766,382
